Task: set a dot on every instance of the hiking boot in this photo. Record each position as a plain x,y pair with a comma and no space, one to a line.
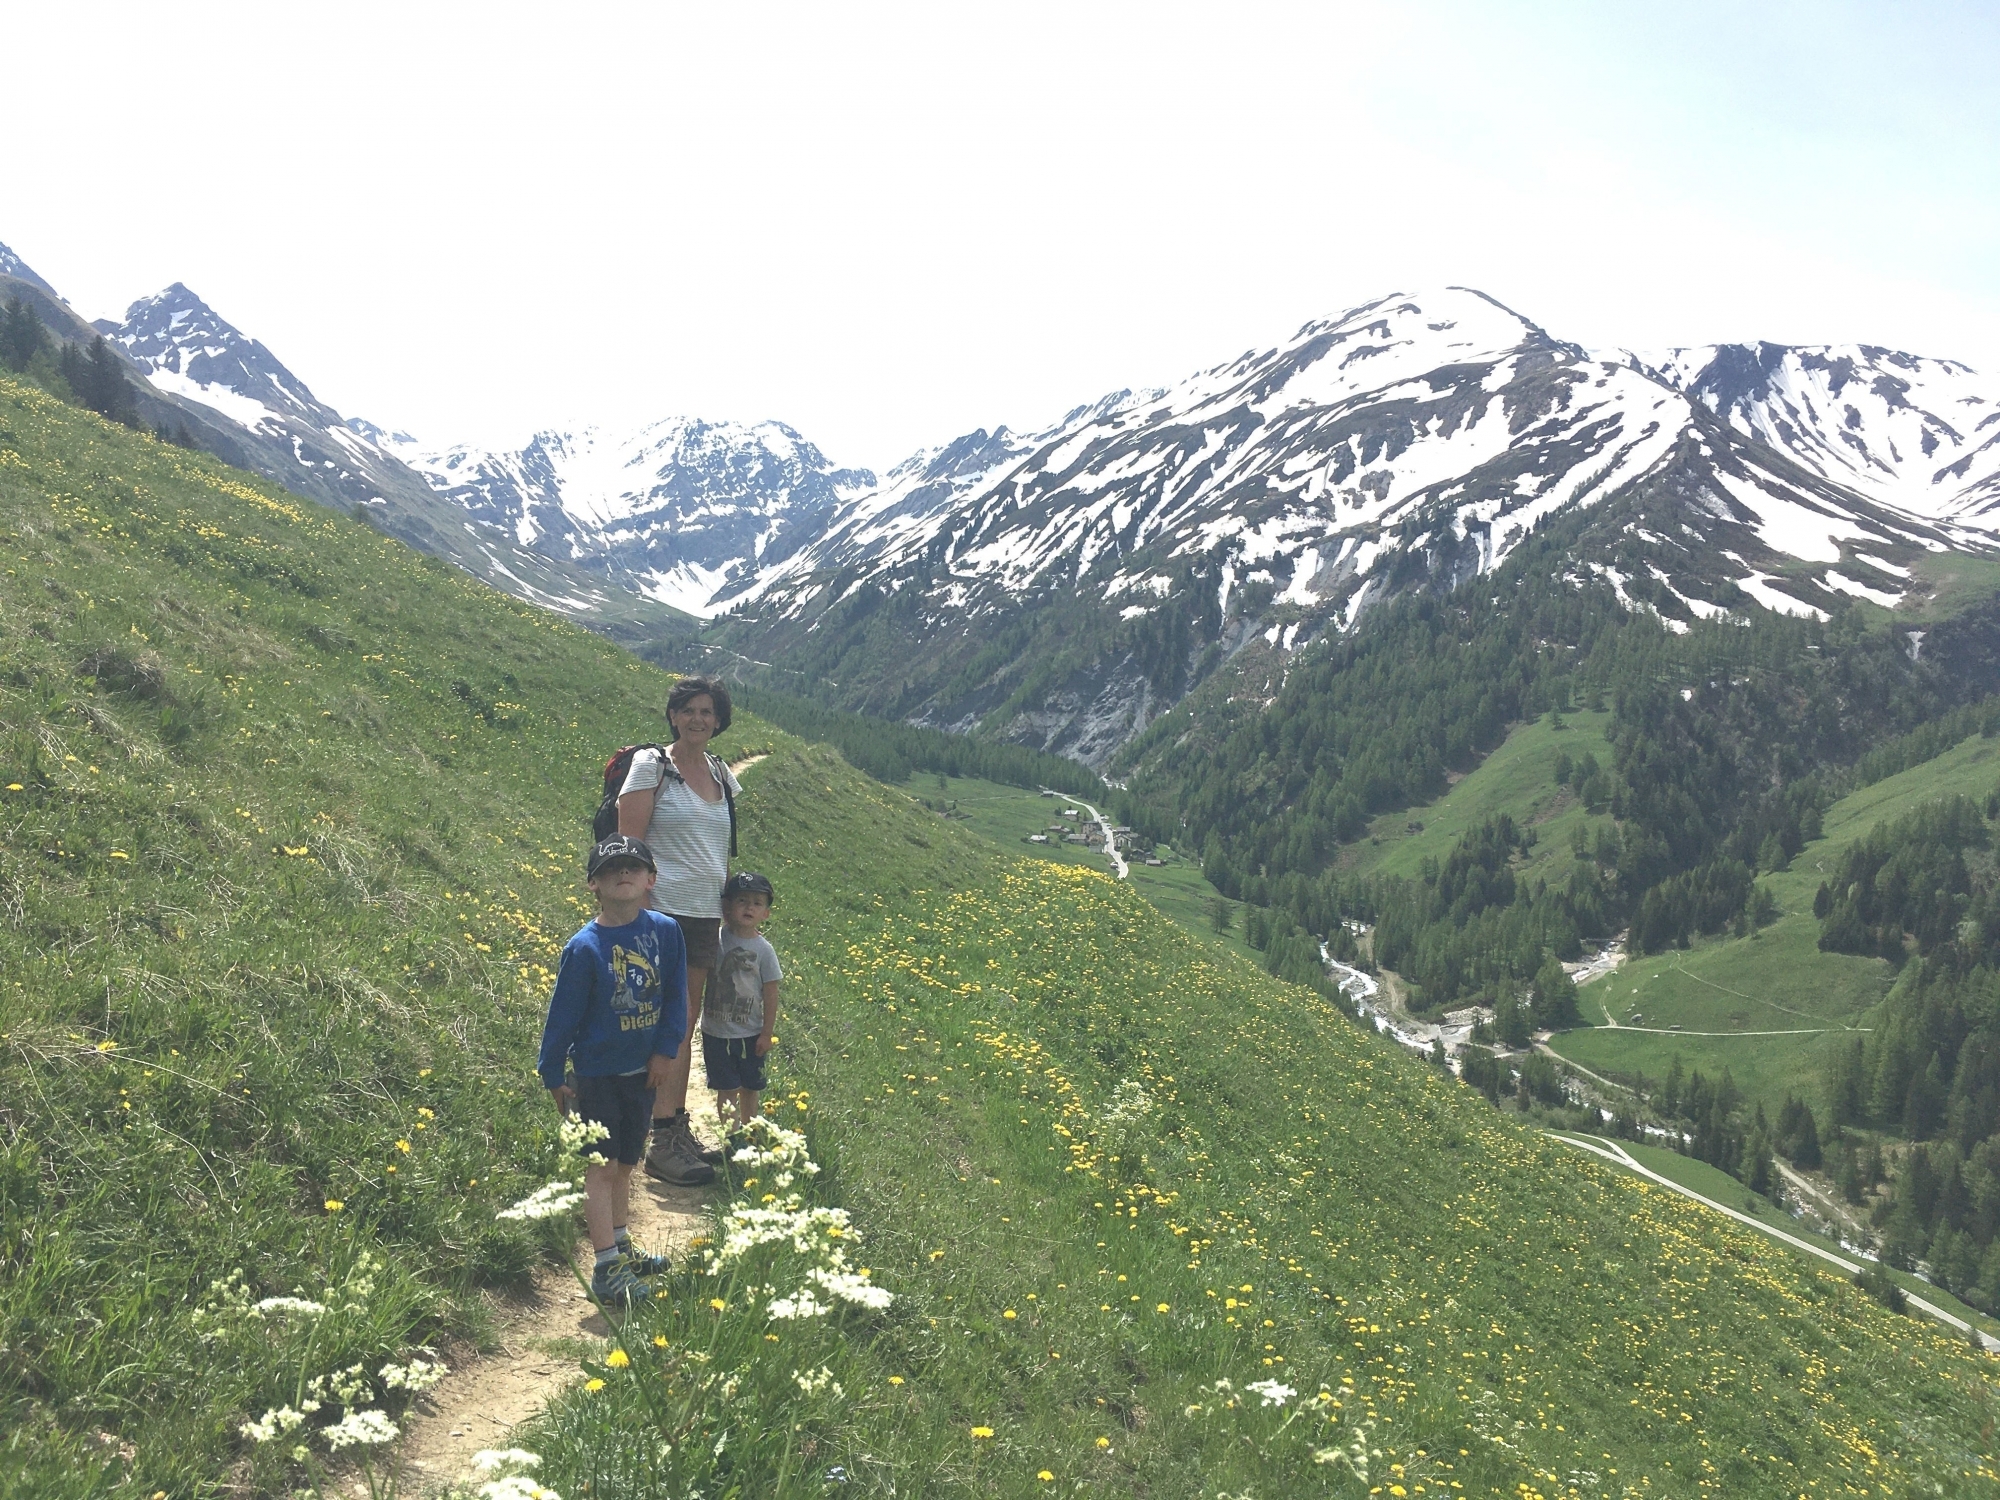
710,1154
675,1159
615,1285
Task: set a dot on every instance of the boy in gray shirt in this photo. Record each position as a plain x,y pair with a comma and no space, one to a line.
740,1018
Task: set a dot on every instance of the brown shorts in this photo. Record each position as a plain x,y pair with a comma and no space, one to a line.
703,936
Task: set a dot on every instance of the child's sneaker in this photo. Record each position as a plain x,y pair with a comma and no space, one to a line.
643,1263
615,1285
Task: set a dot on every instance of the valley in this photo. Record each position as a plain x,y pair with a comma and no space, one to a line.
291,819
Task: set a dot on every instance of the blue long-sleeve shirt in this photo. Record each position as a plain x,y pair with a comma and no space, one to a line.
620,997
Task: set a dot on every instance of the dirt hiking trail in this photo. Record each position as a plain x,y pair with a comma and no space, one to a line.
539,1334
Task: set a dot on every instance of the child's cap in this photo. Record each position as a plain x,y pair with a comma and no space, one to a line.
748,883
619,847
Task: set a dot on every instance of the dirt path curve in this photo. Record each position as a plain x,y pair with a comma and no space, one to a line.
540,1332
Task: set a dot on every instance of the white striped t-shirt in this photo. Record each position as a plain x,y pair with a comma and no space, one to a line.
689,837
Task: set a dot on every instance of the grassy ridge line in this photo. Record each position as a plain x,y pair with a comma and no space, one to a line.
287,863
1488,1311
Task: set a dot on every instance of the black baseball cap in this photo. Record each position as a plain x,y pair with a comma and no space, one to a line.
620,847
748,883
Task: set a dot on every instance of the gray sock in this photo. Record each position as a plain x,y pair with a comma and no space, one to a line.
607,1257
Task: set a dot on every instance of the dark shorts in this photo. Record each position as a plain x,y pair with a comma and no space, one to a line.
732,1062
623,1105
703,936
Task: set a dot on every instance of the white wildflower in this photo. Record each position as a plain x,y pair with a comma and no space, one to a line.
515,1487
1273,1393
365,1427
819,1380
227,1301
545,1202
416,1377
304,1307
579,1135
1224,1386
495,1460
801,1304
808,1230
274,1424
348,1387
849,1287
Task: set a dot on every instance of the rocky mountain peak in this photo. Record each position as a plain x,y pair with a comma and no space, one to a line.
12,265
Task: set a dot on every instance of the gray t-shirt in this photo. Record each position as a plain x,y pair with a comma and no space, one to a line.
735,1003
688,835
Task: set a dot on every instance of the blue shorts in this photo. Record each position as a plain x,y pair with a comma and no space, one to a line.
732,1063
623,1105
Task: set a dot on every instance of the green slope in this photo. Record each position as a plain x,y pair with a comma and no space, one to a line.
1776,981
1517,778
1009,814
304,875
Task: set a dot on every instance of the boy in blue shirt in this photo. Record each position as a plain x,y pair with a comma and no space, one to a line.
619,1014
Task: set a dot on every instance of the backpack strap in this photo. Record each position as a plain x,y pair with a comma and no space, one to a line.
716,768
720,772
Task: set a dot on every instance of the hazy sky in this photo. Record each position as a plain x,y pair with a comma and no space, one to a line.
887,225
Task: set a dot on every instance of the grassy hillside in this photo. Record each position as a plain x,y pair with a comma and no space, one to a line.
1517,778
1777,980
1008,814
292,829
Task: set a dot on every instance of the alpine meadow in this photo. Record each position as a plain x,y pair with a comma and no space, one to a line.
1057,1197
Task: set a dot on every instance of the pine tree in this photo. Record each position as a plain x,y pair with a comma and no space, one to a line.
22,335
1672,1089
1555,996
1847,1175
97,379
1760,1172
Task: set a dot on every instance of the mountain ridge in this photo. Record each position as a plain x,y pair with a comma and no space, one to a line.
193,373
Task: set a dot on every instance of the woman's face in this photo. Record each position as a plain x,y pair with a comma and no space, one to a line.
695,719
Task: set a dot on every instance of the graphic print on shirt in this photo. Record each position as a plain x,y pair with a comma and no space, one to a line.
635,989
736,994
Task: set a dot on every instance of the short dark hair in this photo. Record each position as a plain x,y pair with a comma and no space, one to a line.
692,687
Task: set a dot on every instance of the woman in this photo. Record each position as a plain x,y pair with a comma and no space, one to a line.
682,803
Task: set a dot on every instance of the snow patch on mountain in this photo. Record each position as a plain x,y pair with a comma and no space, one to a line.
676,511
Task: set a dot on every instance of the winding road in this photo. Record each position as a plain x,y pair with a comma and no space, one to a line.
1617,1155
1104,825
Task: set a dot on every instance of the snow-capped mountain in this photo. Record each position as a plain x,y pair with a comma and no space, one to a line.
1919,434
187,349
678,512
13,267
234,397
1415,441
